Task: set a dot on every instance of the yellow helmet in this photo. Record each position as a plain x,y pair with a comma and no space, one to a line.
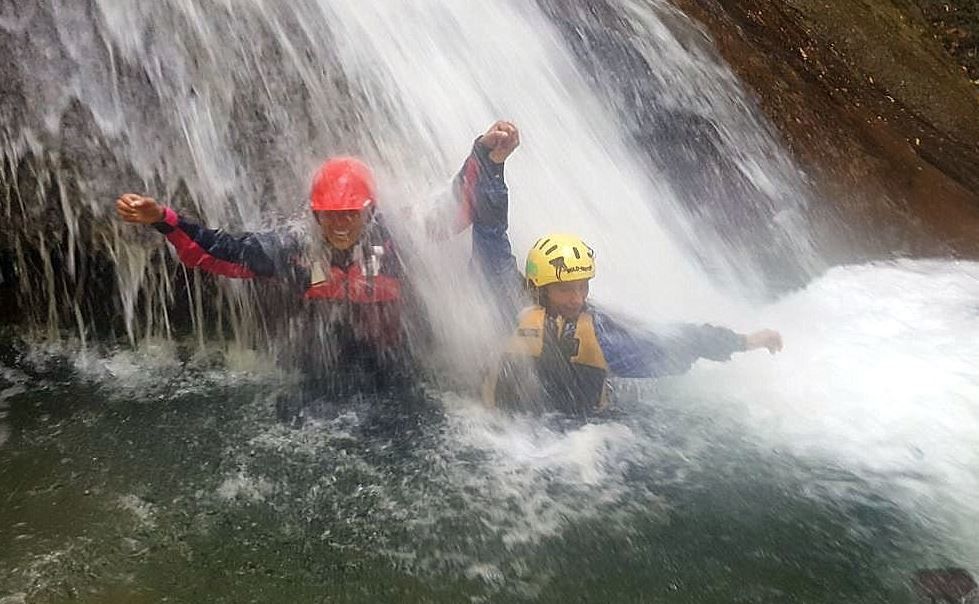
557,258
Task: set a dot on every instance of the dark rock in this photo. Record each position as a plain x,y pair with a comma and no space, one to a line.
872,106
952,585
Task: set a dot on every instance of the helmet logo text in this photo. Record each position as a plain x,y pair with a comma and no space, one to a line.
560,268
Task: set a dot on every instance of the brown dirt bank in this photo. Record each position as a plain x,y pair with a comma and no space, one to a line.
875,100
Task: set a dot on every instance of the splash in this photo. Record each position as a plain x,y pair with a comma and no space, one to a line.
880,376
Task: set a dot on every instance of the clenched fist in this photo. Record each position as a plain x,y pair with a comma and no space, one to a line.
501,139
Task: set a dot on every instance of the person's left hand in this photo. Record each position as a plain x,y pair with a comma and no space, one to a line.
501,140
766,338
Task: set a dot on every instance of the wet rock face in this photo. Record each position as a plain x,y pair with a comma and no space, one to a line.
8,285
956,25
870,102
83,118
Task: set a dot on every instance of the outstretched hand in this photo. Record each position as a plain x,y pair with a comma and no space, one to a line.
766,338
138,209
501,140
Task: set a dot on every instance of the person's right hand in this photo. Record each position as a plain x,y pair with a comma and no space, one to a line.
501,140
766,338
139,209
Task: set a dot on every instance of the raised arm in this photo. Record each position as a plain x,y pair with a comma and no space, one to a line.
485,204
240,256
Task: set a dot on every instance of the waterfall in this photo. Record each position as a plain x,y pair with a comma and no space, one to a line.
223,110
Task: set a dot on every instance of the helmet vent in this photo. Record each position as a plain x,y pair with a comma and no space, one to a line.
543,243
550,250
577,254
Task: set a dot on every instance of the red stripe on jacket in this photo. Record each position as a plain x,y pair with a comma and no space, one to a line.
194,256
470,174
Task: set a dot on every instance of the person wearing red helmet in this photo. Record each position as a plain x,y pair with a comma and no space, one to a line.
356,305
345,274
353,261
343,190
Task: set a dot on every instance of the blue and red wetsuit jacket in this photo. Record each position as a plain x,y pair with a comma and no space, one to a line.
630,351
367,278
363,290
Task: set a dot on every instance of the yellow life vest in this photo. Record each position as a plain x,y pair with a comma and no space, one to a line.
551,364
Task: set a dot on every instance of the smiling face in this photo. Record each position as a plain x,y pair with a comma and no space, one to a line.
341,229
566,298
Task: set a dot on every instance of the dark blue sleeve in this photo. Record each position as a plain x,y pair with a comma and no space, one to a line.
633,352
240,255
485,195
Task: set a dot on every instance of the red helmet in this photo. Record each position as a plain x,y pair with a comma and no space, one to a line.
342,183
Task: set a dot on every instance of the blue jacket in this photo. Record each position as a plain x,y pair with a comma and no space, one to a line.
630,351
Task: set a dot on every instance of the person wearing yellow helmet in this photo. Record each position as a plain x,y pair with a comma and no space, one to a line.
563,349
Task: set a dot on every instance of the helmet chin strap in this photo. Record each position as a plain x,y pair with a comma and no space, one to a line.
536,294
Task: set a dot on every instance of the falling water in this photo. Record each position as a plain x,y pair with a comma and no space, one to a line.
236,107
